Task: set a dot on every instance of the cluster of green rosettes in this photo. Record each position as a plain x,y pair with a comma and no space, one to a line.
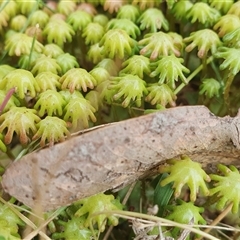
76,222
68,62
84,214
46,68
185,172
129,57
9,223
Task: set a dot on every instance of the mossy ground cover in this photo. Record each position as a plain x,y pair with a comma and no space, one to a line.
71,65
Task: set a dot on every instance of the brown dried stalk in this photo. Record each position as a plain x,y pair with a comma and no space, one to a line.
116,155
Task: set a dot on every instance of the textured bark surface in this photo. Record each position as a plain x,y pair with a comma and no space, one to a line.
113,156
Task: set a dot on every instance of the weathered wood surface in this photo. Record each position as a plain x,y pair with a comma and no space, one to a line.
116,155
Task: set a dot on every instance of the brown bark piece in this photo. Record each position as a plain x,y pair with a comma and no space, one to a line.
116,155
